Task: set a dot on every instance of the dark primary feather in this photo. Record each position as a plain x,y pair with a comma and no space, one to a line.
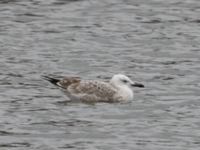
63,83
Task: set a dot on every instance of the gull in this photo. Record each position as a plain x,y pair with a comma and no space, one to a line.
118,89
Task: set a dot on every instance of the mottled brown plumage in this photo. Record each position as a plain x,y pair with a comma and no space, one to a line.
68,81
118,89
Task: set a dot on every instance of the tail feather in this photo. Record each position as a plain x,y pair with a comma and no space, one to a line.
52,80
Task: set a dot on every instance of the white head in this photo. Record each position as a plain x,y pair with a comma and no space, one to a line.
122,80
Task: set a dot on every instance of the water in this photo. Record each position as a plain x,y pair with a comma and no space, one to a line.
155,42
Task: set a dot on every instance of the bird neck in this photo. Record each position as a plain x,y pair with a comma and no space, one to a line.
124,91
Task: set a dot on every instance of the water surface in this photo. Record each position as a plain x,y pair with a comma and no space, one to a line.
155,42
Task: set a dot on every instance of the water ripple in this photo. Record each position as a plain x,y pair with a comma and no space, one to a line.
155,42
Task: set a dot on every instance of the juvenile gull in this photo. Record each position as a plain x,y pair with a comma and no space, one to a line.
117,89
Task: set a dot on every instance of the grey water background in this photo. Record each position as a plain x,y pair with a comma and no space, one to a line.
156,42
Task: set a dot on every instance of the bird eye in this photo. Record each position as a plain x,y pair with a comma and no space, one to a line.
125,81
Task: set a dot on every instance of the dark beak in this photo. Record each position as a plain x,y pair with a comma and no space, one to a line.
135,84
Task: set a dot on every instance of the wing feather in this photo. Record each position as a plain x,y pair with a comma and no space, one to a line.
92,90
85,90
68,81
